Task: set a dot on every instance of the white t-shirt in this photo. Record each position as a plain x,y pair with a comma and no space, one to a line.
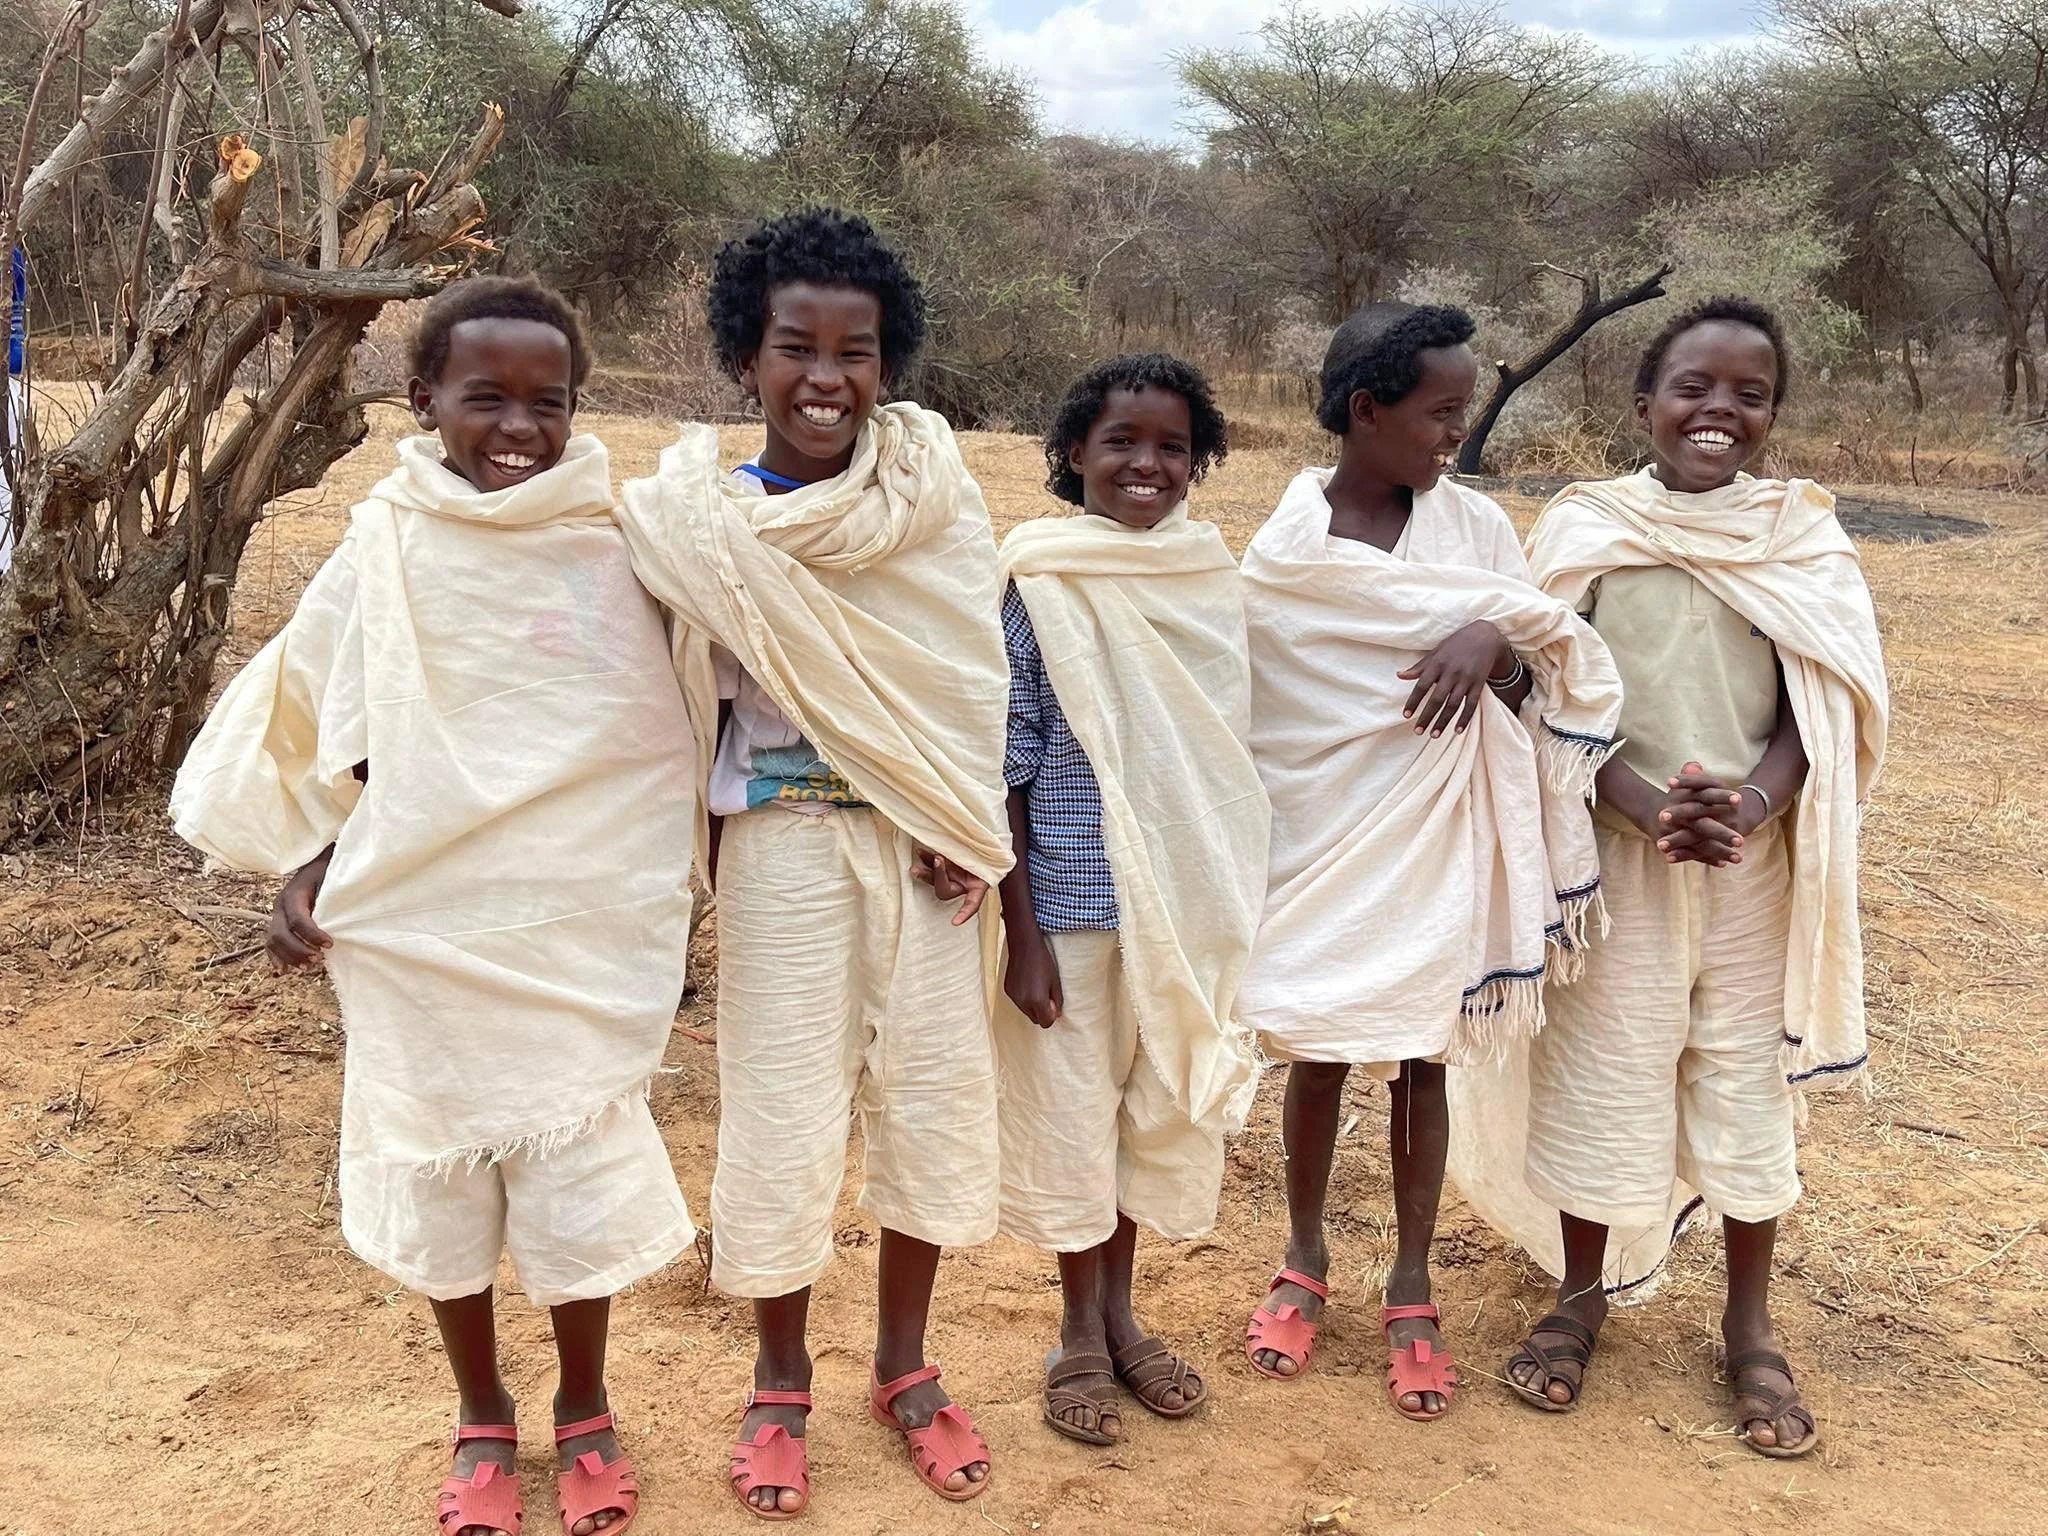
762,759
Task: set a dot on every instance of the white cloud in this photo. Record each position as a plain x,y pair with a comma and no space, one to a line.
1106,66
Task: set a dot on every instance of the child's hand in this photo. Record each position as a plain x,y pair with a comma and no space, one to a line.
1032,980
949,882
1703,820
1451,680
295,942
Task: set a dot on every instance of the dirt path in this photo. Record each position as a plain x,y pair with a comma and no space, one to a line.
189,1347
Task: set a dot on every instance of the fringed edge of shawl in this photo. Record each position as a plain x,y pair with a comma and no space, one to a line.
1568,936
1503,1007
1571,760
542,1143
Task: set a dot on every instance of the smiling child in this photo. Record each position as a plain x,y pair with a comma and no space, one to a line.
1141,830
1425,851
1754,727
469,744
836,607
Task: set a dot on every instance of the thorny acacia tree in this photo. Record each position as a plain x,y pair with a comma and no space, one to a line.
265,226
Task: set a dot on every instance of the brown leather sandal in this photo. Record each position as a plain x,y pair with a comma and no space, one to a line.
1751,1407
1579,1352
1151,1370
1060,1398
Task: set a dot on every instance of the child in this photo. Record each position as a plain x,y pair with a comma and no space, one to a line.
1754,725
1140,827
469,743
1425,853
840,595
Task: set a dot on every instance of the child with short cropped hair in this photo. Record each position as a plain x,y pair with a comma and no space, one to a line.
1426,852
1141,827
1754,727
836,628
469,743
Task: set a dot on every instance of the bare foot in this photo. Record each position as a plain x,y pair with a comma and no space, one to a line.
1121,1332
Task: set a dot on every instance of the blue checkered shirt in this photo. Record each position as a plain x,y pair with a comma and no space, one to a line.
1071,887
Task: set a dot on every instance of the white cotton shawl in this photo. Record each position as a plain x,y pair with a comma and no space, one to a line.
1773,551
1143,636
1417,883
866,607
509,895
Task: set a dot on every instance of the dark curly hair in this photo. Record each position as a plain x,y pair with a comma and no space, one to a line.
1378,350
1087,396
811,245
1732,308
494,298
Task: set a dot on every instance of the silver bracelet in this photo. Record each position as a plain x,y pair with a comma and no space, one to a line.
1769,809
1521,671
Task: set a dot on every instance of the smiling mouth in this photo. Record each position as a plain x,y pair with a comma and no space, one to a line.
1710,440
1142,492
822,415
512,465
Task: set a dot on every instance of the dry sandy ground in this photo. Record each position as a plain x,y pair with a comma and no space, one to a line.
185,1344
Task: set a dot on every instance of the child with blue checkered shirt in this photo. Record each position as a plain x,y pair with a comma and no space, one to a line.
1140,829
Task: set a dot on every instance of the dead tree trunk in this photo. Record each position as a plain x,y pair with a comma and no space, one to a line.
1512,376
130,530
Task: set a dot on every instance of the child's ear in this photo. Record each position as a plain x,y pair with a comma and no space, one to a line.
1643,412
1074,452
420,395
744,374
1364,409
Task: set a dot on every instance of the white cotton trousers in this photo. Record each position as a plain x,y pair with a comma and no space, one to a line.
581,1221
1661,1063
1089,1128
843,985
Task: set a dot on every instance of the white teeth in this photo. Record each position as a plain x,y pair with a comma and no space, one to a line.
513,461
822,415
1143,492
1711,440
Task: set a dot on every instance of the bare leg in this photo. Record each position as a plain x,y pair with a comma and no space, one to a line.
1746,1325
1082,1280
781,1364
469,1335
1419,1135
1120,1319
1582,1295
1308,1124
908,1268
582,1329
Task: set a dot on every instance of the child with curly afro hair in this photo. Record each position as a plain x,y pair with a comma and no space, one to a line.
835,598
1140,828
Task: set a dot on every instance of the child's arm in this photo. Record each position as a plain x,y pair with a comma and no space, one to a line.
1031,977
295,942
1451,680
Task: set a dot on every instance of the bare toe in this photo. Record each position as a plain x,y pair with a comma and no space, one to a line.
789,1501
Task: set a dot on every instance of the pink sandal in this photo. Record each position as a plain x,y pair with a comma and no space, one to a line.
774,1458
489,1496
1285,1332
949,1444
1416,1367
591,1486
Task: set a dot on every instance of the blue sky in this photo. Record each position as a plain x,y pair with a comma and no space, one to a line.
1103,66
